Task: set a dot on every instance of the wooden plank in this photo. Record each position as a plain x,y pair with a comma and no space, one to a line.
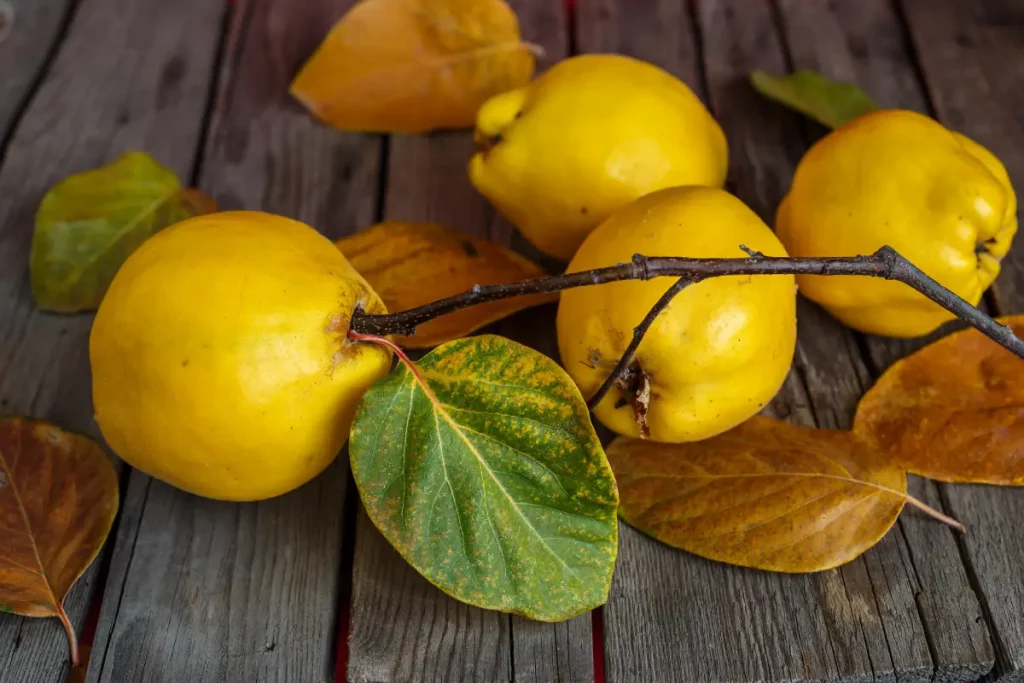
155,60
25,53
209,591
859,622
404,629
970,56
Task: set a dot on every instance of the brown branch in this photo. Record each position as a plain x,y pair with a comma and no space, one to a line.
884,263
638,336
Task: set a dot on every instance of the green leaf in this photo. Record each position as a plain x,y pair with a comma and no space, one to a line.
482,469
89,223
6,609
828,102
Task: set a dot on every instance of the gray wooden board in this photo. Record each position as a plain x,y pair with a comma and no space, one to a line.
209,591
404,629
25,52
863,621
971,55
155,63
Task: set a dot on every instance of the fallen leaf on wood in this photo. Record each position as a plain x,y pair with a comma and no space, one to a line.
58,498
481,467
952,411
767,494
828,102
89,223
411,66
411,264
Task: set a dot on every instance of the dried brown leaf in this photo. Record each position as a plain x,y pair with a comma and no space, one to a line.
953,411
412,66
410,264
58,498
767,494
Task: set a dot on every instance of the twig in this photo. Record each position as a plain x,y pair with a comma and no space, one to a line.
638,335
884,263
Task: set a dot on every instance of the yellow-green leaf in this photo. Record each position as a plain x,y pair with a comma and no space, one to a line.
89,223
481,467
831,103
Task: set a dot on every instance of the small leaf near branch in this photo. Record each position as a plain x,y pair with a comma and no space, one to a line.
412,66
479,464
411,264
829,102
58,498
89,223
768,495
952,411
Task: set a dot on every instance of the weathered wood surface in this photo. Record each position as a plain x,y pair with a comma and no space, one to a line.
864,621
208,591
32,36
146,88
404,629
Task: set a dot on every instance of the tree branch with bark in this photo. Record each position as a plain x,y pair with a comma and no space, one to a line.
885,263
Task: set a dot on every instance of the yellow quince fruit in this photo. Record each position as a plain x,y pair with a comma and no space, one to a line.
901,179
220,359
721,349
590,135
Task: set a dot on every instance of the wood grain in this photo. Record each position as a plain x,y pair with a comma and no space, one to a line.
156,62
860,622
26,52
404,629
970,56
209,591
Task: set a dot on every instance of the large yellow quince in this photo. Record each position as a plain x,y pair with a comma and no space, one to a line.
220,359
587,137
721,349
901,179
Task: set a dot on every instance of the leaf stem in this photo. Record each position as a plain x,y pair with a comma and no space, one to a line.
885,263
72,636
932,512
383,341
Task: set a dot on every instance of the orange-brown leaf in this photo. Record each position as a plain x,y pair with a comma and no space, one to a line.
412,66
58,498
953,411
767,494
410,264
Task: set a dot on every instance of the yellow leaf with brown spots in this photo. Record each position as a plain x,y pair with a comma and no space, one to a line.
480,465
411,264
767,494
952,411
412,66
58,498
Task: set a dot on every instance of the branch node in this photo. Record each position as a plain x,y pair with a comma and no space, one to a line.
752,253
640,267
